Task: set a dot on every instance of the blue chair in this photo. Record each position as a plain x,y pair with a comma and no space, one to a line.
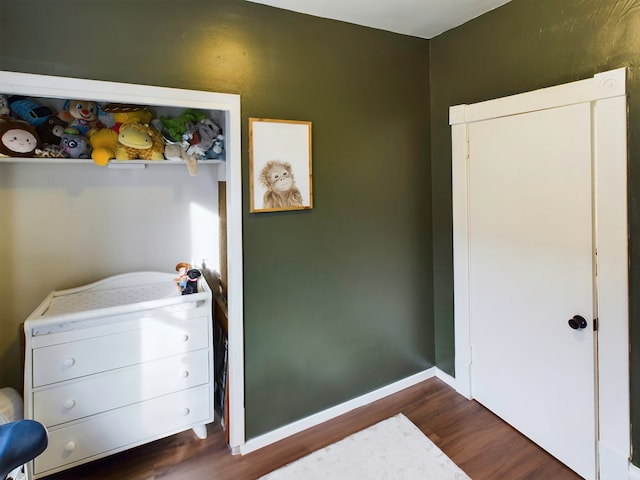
20,442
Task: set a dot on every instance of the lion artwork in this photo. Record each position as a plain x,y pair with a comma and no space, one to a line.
277,178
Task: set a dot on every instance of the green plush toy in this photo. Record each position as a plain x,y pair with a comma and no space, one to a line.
175,127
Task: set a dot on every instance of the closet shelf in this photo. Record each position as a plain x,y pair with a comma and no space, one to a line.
125,164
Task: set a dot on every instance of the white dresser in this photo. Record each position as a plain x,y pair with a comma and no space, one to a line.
118,363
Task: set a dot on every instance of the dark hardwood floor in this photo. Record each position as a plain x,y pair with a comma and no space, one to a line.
480,443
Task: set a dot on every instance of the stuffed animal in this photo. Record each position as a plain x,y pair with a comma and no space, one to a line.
174,128
127,113
174,151
81,115
76,146
139,141
192,282
200,137
216,152
17,138
28,109
51,130
50,151
4,105
103,144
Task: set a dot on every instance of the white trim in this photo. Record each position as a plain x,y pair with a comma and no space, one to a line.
333,412
612,464
235,281
62,87
613,340
607,92
49,86
602,85
448,379
460,187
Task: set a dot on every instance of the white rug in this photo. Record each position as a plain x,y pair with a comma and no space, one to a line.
393,449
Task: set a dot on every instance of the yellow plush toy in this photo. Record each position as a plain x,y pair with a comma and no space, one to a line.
104,143
127,113
130,116
139,141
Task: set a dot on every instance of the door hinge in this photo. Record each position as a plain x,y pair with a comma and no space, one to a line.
595,324
468,152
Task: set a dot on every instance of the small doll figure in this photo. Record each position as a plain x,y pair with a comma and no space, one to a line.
181,279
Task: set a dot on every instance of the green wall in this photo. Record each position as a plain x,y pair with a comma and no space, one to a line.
525,45
338,300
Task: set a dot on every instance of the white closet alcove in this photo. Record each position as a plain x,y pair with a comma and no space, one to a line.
67,222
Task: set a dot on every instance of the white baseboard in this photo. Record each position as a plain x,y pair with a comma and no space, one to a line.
634,472
320,417
612,465
446,378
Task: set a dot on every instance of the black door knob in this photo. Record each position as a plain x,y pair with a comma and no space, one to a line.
577,322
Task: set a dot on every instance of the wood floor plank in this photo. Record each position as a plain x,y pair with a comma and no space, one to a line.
478,441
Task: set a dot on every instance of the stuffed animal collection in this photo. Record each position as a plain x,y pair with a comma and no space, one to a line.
104,132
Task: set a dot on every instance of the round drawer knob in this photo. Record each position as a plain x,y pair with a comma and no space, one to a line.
70,447
185,337
184,374
69,362
70,403
185,412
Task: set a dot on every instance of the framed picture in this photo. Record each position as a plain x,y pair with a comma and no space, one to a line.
280,165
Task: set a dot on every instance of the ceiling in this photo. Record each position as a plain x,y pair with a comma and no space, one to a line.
418,18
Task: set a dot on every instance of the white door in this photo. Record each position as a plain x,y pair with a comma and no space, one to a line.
538,187
531,270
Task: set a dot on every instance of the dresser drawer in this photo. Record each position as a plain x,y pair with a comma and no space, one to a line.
124,428
96,354
98,393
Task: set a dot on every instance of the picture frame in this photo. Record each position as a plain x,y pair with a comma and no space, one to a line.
280,165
